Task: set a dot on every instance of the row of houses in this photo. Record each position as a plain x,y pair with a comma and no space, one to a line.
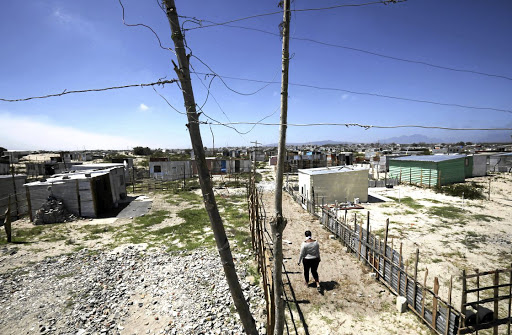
165,169
350,183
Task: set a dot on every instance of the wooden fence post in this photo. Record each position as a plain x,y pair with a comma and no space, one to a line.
496,295
400,270
449,311
367,235
463,299
7,222
385,247
434,303
509,300
415,278
423,294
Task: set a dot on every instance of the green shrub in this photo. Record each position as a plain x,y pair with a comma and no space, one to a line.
471,191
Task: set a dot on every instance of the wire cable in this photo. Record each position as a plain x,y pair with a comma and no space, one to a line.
383,2
366,127
160,82
227,86
372,94
145,26
369,52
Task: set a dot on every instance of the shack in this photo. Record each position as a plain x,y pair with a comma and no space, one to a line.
334,184
5,167
430,170
225,166
12,188
88,193
170,170
501,162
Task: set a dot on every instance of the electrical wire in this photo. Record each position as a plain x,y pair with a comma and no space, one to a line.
369,52
385,2
227,86
168,103
145,26
371,94
160,82
366,127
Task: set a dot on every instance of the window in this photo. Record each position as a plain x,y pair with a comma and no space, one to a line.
157,168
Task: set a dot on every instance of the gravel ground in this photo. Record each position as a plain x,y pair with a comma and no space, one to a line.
129,290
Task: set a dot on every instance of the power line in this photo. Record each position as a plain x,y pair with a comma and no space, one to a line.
145,26
160,82
366,127
371,94
385,2
369,52
225,84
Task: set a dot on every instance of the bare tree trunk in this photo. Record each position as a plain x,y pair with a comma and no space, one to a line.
278,223
221,239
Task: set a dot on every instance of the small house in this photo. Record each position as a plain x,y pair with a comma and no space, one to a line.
501,162
170,170
88,193
430,170
334,184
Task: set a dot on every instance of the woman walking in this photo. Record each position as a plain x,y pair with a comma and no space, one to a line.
310,257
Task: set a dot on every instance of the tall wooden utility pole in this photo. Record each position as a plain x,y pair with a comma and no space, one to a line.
278,223
183,72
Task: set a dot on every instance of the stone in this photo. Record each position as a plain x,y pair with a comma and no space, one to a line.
401,304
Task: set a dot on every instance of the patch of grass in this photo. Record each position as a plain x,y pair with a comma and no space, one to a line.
152,219
486,218
447,212
472,239
434,201
471,190
436,260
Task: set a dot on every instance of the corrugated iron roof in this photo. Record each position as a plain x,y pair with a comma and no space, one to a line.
332,169
428,158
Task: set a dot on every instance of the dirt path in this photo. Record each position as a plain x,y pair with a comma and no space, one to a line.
353,302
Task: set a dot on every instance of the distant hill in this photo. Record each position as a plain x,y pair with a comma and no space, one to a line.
326,142
407,139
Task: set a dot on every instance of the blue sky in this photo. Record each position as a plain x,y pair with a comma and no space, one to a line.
52,45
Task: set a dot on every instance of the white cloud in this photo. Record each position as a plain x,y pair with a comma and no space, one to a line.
345,96
143,107
19,133
63,17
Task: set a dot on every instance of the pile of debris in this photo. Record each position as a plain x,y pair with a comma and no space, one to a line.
53,211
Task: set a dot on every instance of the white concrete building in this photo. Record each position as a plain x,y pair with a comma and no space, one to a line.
338,183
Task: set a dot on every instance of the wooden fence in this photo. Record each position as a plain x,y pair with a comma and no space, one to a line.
262,249
440,315
490,307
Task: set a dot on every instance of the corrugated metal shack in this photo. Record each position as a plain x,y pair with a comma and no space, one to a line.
170,170
4,167
88,193
430,170
45,168
500,162
225,166
7,189
341,184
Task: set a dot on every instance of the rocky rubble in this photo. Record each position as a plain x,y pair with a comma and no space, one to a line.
53,211
126,291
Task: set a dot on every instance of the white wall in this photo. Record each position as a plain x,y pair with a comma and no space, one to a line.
340,187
